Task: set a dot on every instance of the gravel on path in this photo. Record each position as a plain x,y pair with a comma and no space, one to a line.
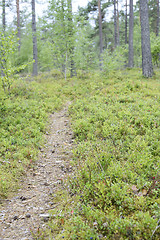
28,210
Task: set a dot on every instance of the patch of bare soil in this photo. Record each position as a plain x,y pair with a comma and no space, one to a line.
28,210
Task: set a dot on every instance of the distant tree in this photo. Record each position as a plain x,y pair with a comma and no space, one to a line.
100,30
118,37
126,22
4,15
35,54
157,26
131,25
115,25
71,33
147,66
153,6
3,29
18,25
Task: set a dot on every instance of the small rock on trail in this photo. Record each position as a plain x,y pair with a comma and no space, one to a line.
28,211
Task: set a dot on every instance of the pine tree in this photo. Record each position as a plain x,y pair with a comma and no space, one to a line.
18,25
115,25
3,15
100,31
147,66
131,24
157,25
126,23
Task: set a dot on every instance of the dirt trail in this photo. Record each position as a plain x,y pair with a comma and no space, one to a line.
28,210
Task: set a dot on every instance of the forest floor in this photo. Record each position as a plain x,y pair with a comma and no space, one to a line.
99,180
23,215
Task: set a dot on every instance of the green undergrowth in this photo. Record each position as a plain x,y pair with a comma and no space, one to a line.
23,123
114,193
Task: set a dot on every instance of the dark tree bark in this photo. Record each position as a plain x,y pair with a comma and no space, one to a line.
118,41
157,27
147,66
18,25
115,25
126,23
131,25
4,15
71,43
35,54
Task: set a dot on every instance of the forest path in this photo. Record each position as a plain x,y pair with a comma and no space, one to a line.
28,210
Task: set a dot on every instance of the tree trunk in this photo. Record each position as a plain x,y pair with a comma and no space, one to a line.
126,24
100,29
4,15
18,25
131,25
115,24
118,41
157,27
3,29
71,43
100,33
35,57
147,66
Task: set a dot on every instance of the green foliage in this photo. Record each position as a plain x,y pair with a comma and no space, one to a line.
155,48
137,45
23,121
61,35
8,45
25,55
115,60
114,193
85,55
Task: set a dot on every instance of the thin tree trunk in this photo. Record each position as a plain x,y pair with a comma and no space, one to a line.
3,29
18,25
4,15
157,27
35,55
131,25
100,27
118,41
115,24
64,63
100,30
147,66
71,43
126,24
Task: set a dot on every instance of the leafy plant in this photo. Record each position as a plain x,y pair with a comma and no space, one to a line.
155,48
7,49
114,192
